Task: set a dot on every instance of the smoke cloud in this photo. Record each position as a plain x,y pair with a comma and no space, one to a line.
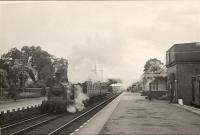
104,51
79,98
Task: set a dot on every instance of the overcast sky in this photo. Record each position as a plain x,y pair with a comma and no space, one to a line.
119,36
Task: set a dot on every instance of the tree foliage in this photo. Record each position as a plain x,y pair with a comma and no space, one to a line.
11,56
36,63
30,62
61,66
33,58
40,60
153,65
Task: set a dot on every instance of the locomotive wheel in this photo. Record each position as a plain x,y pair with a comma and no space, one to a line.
63,108
44,107
51,107
59,108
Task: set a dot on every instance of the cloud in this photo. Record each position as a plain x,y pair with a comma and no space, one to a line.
119,36
107,52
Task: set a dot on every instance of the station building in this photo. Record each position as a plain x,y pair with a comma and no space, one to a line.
155,84
182,62
158,86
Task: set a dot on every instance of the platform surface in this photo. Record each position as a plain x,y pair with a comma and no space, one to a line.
96,123
9,105
135,115
132,114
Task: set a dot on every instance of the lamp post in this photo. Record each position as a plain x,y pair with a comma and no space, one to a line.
176,92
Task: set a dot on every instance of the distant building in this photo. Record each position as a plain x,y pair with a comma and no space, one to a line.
159,82
182,62
136,87
155,84
116,87
155,79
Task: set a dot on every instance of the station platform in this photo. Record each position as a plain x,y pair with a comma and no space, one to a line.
9,105
132,114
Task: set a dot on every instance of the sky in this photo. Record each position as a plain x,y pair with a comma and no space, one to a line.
119,36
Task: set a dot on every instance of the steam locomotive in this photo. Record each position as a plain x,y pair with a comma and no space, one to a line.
62,94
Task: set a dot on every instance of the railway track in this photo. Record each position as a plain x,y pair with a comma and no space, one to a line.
49,124
9,125
72,125
20,127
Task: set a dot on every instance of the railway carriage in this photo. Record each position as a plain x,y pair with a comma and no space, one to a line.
95,89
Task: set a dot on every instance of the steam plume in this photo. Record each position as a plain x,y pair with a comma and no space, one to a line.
79,98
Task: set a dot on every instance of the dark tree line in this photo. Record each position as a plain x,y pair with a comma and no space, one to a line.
30,62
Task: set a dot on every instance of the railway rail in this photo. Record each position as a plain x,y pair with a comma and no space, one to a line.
6,126
26,125
70,126
50,124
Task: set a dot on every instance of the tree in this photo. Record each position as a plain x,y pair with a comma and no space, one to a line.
16,74
61,66
37,63
153,65
46,72
3,64
11,56
3,74
32,58
40,60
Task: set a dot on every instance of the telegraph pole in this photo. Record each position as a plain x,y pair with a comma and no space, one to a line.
95,70
101,70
